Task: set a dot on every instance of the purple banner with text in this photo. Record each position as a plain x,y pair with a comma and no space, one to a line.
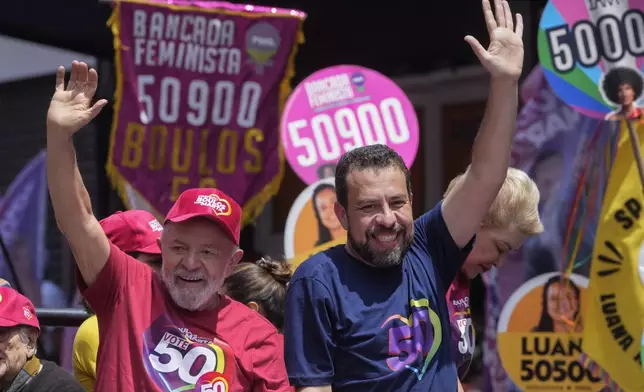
200,88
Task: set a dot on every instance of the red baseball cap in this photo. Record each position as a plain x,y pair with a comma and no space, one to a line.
16,309
208,203
133,231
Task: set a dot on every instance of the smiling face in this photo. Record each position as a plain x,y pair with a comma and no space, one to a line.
626,94
378,218
324,202
562,302
197,257
491,245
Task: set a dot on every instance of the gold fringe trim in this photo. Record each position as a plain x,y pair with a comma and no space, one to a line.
255,205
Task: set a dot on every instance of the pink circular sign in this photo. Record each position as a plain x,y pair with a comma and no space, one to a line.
340,108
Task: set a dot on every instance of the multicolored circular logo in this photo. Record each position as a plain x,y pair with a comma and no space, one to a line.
592,53
340,108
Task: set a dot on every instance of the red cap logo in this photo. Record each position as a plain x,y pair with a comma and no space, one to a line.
27,313
220,207
155,225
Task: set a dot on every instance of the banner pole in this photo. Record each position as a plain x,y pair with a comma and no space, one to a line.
637,152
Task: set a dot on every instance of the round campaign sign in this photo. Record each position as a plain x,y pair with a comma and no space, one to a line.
311,225
592,53
340,108
212,382
540,335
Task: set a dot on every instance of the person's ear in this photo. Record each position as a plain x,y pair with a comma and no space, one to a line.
341,214
32,335
253,305
234,260
237,256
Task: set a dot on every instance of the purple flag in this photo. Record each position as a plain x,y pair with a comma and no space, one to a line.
200,88
23,213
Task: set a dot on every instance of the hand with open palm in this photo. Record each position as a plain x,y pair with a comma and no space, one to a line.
71,108
504,57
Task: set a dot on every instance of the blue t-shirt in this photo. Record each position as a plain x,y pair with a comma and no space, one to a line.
359,328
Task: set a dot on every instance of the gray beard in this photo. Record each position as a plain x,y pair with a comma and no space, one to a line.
190,299
381,259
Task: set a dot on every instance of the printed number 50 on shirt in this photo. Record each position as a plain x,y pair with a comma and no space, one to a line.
181,362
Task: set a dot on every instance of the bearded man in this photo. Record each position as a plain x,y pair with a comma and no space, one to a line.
371,315
159,332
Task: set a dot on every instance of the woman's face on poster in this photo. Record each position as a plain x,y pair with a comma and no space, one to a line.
324,204
626,94
562,301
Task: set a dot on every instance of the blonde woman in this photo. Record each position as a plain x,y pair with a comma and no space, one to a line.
512,218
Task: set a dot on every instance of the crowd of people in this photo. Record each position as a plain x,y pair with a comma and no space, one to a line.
174,309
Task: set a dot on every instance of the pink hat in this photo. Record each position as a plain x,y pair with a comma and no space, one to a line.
208,203
16,309
133,231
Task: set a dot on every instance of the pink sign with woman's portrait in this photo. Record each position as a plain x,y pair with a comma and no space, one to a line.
311,225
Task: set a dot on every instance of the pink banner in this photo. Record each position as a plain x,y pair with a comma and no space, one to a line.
200,88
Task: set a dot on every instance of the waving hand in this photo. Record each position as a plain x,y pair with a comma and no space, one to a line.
504,57
71,108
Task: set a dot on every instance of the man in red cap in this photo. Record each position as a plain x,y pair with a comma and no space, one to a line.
20,368
137,233
169,331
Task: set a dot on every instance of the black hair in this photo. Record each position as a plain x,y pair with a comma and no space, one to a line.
375,156
546,323
617,76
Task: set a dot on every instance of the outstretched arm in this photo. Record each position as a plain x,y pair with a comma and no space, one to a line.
466,206
70,110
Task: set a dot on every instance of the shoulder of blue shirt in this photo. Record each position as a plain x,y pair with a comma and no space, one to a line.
316,265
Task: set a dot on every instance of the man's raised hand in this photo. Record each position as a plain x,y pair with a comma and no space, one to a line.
71,108
504,57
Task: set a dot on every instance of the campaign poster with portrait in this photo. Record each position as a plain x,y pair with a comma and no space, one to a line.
540,335
311,225
340,108
592,53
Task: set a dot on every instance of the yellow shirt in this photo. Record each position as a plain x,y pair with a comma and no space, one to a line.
84,353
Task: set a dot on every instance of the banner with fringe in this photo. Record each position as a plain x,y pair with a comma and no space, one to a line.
199,91
616,291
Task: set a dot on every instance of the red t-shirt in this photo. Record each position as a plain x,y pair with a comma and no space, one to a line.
147,343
